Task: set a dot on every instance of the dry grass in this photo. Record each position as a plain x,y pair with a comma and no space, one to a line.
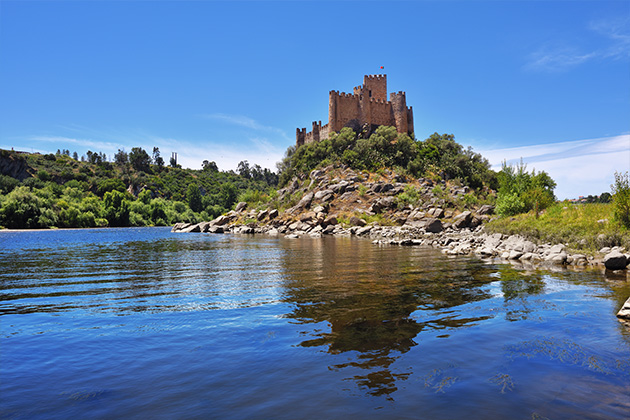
583,227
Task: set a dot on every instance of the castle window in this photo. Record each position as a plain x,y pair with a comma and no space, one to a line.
370,93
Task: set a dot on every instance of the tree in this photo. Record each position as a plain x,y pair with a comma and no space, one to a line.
209,166
75,156
227,195
121,157
139,159
520,191
116,208
621,198
157,159
193,196
21,209
243,169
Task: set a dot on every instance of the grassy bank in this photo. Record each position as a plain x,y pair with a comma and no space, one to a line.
582,227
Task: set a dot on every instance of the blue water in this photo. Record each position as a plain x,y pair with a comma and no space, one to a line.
145,323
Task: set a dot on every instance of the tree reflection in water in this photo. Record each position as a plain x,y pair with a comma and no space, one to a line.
367,294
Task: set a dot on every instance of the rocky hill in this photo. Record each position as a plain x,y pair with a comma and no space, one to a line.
341,201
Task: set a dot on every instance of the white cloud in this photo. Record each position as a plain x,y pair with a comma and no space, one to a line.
226,155
582,167
99,146
243,121
558,56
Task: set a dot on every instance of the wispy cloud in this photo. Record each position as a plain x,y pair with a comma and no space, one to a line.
243,121
226,154
97,145
579,167
559,56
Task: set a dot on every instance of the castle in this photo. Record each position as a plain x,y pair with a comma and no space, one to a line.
366,108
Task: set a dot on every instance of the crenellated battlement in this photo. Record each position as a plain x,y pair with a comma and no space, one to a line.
367,105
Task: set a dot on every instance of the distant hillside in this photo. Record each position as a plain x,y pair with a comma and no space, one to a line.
56,190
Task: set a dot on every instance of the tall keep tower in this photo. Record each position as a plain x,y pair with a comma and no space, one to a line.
367,107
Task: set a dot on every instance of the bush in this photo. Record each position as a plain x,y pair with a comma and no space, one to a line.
7,184
621,198
21,209
509,204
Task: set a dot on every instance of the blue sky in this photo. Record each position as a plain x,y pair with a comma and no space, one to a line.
228,81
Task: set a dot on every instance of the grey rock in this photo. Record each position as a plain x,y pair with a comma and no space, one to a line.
433,225
178,227
240,206
216,229
330,221
273,214
262,215
624,312
615,260
486,209
436,212
363,231
462,220
319,195
305,202
356,221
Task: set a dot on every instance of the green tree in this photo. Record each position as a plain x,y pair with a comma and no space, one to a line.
140,159
621,198
193,196
20,209
116,208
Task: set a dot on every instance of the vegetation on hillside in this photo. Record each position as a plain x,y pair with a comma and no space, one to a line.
134,190
438,157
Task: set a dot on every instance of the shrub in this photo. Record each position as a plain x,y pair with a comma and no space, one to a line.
509,204
621,198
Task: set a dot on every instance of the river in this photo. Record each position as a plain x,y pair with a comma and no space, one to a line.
145,323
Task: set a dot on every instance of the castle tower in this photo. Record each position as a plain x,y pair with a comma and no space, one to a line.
399,107
375,86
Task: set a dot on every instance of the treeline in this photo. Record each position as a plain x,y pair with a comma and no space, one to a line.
135,189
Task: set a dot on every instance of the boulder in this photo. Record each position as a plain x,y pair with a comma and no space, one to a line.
363,231
356,221
330,221
262,214
307,217
192,228
319,195
433,225
486,209
329,230
220,221
273,214
615,260
305,202
216,229
240,206
462,220
436,212
624,312
317,174
321,208
180,227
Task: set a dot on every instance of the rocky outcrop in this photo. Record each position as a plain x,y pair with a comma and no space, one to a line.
14,165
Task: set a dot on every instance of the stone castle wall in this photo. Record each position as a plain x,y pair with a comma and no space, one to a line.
367,105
